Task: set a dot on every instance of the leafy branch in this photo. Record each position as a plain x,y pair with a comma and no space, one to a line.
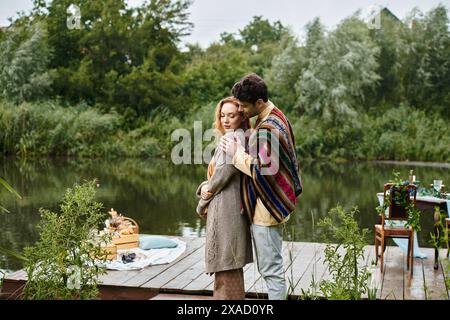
400,196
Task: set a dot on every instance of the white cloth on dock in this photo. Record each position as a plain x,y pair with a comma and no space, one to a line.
145,258
432,198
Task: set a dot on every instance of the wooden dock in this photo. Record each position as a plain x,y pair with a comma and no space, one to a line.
185,278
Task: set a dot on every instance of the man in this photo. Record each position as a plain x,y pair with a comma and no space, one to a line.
267,198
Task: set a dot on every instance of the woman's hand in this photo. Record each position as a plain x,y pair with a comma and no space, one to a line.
205,194
229,145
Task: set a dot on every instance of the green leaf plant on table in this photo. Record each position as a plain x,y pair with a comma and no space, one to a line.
400,199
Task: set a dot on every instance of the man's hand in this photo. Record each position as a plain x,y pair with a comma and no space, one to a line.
229,145
205,194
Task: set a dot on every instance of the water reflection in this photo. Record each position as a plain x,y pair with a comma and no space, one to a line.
160,195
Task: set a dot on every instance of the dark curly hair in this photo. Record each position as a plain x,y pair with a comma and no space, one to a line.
250,88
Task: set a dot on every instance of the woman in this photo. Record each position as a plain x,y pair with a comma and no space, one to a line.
228,241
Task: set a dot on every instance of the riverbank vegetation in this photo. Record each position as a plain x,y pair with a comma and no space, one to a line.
120,84
65,263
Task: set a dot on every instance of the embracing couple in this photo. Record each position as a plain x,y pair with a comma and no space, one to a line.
241,200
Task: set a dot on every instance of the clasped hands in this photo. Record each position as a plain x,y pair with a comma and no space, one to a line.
205,194
229,146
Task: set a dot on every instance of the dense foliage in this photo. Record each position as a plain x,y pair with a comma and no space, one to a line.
63,263
348,272
121,83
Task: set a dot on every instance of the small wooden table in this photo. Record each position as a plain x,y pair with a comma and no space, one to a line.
426,205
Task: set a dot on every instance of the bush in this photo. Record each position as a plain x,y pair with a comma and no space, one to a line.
348,280
401,133
62,264
24,58
42,129
405,133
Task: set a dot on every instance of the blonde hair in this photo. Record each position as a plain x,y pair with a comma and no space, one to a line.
218,124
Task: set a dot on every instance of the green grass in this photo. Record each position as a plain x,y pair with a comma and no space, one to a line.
50,129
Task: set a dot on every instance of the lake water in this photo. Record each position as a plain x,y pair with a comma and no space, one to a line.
160,196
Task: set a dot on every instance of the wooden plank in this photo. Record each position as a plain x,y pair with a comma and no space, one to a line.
200,283
252,277
296,251
379,276
445,267
250,272
376,276
173,296
112,277
185,277
205,283
309,264
127,278
195,278
434,280
116,277
393,280
121,278
137,279
370,256
186,274
175,269
369,263
12,289
126,293
257,283
415,285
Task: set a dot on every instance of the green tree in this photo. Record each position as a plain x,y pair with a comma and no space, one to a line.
284,72
260,30
391,68
334,84
211,74
349,278
434,67
315,37
262,40
115,49
289,64
426,62
63,262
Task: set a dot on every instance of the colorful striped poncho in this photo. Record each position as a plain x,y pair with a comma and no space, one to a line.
278,191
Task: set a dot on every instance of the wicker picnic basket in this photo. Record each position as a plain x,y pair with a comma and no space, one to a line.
126,241
133,223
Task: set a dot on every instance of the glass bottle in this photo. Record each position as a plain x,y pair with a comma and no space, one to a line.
412,177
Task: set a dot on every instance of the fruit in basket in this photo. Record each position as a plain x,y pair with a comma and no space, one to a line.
126,231
118,223
116,218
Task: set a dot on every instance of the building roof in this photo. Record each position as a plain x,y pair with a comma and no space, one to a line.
370,12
